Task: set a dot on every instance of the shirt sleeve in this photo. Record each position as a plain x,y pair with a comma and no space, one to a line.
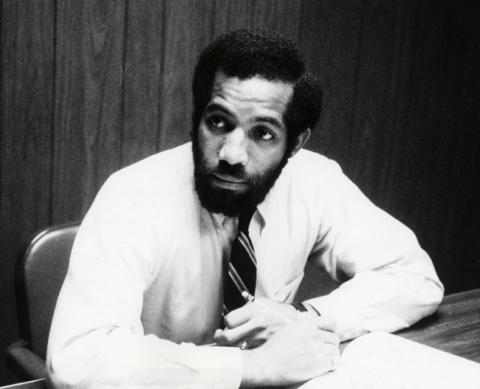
97,338
389,280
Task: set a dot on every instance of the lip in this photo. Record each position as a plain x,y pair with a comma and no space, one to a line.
228,182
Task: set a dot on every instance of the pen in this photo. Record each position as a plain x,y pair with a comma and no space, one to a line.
249,298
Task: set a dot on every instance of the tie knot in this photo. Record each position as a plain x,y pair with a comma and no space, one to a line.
244,220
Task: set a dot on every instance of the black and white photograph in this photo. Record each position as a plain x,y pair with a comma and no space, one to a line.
233,194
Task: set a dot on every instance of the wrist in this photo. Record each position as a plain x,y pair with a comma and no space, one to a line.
255,371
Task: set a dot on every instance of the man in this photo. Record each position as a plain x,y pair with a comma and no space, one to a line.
146,301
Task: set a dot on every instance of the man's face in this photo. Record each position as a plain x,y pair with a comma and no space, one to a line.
241,141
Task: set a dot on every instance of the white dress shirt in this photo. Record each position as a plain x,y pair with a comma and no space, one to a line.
144,286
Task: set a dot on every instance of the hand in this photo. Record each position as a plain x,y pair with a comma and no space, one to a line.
297,352
255,322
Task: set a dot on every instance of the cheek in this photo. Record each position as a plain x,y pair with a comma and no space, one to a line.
269,157
208,145
264,162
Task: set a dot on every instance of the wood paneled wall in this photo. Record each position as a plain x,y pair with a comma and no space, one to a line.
402,114
90,86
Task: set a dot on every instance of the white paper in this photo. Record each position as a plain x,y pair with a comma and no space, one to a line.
381,360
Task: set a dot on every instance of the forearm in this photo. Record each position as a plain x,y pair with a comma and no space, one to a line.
390,279
385,299
111,357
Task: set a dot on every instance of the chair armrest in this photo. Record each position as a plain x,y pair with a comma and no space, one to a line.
25,362
33,384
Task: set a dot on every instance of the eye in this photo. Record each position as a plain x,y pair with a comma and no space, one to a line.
217,122
263,133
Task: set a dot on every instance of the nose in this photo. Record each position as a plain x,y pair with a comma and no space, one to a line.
234,148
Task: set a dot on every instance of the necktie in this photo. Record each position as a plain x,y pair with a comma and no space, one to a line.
241,273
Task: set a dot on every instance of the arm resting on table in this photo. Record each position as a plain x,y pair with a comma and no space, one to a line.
390,281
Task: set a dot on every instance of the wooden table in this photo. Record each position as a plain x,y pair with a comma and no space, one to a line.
454,328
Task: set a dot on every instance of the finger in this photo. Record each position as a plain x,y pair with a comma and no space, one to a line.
235,335
239,316
258,338
330,337
327,323
217,334
325,336
326,363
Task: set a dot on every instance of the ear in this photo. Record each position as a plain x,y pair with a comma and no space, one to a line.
300,141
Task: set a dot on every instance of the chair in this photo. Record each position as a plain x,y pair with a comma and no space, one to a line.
39,276
34,384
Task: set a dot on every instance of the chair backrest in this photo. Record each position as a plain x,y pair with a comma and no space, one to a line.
40,276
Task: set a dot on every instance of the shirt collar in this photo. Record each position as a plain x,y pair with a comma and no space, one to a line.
258,216
219,219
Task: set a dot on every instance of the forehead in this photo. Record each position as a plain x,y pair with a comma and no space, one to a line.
252,96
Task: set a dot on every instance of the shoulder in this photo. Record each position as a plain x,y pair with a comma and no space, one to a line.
172,167
161,175
160,182
308,181
313,180
307,157
312,169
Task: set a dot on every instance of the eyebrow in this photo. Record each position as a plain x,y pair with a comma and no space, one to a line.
217,107
267,119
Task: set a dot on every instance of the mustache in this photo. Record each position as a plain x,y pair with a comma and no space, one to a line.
236,171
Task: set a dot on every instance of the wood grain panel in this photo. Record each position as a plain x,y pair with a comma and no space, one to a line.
186,32
142,109
88,101
280,16
329,38
400,79
232,14
458,151
407,93
25,141
423,154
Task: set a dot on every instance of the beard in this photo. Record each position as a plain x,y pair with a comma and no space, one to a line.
231,203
